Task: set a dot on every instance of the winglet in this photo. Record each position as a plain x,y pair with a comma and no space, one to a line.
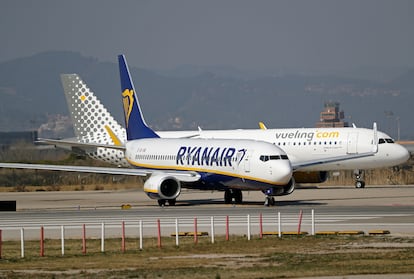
262,126
134,121
113,136
375,140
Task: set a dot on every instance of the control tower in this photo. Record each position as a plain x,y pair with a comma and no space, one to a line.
331,116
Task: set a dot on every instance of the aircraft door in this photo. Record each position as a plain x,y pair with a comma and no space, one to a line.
352,143
247,164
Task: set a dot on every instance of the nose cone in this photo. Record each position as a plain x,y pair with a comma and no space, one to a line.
282,171
401,154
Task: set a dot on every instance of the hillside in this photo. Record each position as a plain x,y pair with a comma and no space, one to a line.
31,94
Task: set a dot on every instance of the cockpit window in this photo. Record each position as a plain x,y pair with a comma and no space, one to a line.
387,140
266,158
274,157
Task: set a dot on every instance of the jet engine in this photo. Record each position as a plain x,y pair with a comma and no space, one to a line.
310,177
160,186
281,191
288,188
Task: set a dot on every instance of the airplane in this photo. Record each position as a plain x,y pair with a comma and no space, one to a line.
342,148
173,163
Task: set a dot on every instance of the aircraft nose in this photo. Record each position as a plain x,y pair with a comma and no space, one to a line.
283,172
402,154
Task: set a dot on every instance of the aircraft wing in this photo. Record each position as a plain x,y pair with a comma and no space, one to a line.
178,134
299,165
187,176
74,143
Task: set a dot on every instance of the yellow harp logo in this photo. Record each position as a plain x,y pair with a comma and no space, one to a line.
128,101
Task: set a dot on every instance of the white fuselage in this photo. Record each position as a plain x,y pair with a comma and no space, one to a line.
307,144
228,162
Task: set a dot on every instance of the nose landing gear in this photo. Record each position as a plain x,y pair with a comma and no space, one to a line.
269,201
359,177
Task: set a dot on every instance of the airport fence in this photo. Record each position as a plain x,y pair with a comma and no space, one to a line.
155,231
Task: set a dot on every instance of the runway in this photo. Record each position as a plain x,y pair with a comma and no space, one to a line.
335,208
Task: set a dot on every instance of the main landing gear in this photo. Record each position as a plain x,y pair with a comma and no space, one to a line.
359,177
233,194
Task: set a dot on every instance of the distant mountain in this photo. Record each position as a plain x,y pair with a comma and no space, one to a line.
31,95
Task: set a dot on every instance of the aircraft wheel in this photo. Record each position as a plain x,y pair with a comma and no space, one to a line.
172,202
238,196
269,201
161,202
228,197
360,184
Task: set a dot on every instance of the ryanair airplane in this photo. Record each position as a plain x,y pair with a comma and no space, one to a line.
207,164
312,151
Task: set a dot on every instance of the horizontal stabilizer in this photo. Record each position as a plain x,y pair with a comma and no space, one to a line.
75,143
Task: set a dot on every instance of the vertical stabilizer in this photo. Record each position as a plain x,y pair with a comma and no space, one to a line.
134,121
90,117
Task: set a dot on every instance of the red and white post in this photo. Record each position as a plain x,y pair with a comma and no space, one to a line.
84,239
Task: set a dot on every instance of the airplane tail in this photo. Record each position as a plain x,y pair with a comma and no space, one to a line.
92,122
134,121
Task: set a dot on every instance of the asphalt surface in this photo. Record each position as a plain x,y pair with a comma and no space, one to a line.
335,208
326,196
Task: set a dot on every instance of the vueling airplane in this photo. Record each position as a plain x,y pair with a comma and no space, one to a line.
313,151
207,164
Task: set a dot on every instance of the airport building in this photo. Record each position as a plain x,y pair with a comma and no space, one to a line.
331,116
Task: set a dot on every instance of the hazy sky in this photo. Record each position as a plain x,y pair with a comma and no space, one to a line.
249,35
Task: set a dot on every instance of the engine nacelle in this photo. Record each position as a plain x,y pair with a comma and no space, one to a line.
289,188
310,177
160,186
281,191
